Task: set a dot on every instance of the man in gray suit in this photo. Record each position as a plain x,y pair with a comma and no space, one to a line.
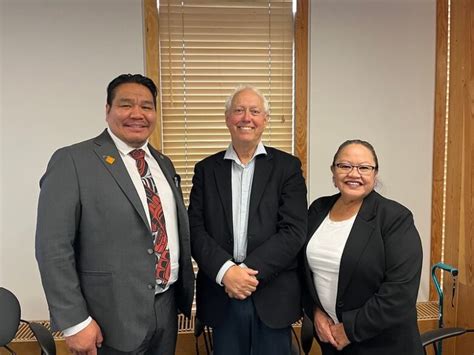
112,238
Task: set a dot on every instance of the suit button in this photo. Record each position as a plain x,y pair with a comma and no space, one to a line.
151,287
150,251
340,304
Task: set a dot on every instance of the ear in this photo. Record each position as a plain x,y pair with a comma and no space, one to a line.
227,120
266,120
333,177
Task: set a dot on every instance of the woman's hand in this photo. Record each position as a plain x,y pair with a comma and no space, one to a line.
339,334
322,325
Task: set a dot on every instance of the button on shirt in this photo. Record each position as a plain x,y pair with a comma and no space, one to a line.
242,177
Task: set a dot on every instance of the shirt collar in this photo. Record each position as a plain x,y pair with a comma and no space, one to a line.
230,153
124,148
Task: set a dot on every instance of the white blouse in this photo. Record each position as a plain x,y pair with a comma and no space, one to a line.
324,252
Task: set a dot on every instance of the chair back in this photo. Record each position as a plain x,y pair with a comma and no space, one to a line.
307,334
9,316
44,337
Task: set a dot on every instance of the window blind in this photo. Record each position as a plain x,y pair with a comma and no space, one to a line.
207,48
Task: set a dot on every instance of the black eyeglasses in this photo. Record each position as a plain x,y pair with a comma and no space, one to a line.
363,169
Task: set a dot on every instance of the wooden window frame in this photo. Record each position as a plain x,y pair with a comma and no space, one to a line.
151,26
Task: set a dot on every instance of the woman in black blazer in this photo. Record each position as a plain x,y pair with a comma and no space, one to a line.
362,263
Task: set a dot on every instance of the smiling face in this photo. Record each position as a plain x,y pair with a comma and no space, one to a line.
246,119
132,114
352,185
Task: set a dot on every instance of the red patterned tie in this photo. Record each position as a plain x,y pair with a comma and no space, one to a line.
157,219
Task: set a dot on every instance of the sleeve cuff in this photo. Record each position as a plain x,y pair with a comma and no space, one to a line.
223,270
77,328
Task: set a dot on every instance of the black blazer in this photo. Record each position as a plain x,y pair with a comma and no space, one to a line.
379,277
276,232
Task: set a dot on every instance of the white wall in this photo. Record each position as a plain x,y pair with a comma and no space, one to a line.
57,58
372,70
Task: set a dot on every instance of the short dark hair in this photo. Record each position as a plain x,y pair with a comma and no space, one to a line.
361,142
130,78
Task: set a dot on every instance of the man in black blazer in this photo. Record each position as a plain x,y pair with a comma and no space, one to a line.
248,221
112,238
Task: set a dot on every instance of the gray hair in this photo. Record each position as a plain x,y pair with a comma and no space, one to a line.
240,88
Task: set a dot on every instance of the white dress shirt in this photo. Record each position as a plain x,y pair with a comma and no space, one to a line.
242,177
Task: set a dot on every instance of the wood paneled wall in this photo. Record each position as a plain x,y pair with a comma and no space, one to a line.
459,211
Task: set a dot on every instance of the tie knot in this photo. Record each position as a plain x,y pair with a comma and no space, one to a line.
137,154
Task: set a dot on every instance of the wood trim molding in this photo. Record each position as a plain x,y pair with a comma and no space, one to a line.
152,69
459,208
439,135
301,83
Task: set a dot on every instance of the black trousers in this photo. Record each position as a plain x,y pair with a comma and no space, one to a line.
243,333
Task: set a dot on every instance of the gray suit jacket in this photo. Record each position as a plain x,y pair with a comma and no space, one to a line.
92,243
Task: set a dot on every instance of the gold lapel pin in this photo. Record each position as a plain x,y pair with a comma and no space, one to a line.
108,159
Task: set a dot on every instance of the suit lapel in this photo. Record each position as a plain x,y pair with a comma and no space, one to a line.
263,171
320,214
110,157
174,180
223,176
359,236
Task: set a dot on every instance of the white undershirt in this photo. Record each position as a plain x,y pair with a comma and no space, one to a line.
324,252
